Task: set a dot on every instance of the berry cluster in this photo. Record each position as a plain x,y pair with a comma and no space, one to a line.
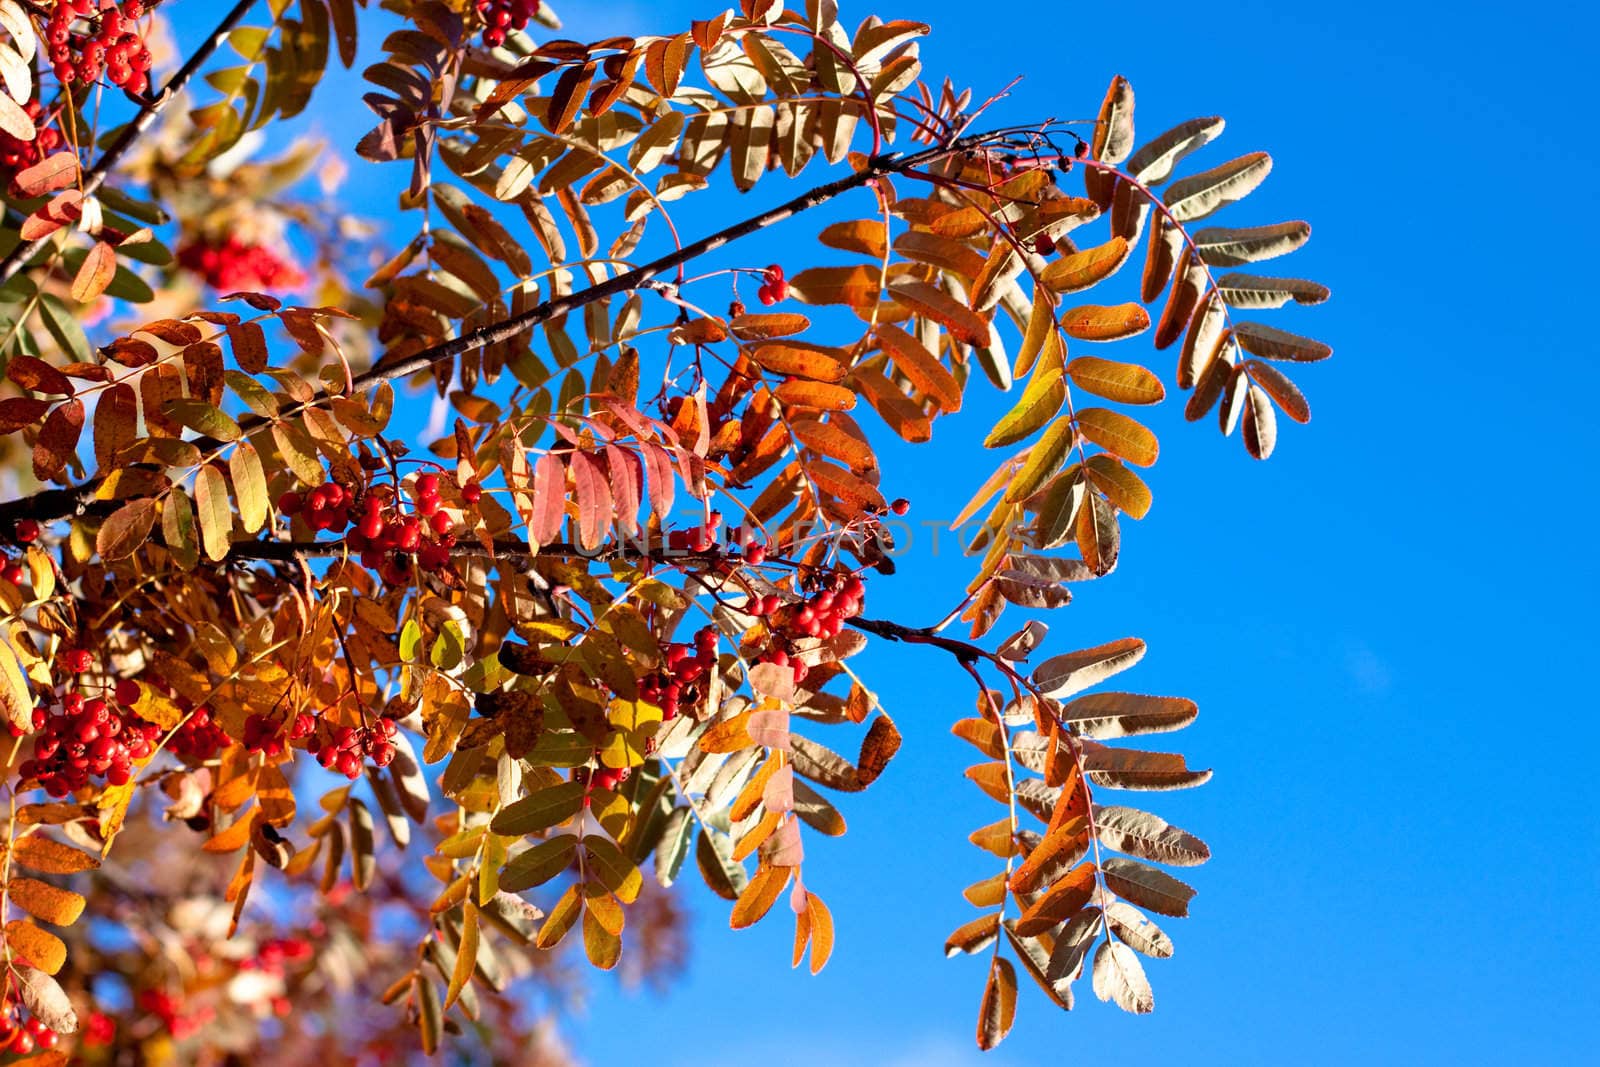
327,507
774,288
686,664
276,954
198,738
18,1037
25,532
169,1010
236,264
699,539
112,44
385,536
86,738
500,16
17,155
822,615
348,747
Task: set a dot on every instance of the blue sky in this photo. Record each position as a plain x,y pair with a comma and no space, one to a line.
1404,870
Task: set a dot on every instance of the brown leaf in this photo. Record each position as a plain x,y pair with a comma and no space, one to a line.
797,392
1062,900
877,749
51,857
44,997
1126,383
60,907
1072,672
998,1009
1121,486
846,487
116,423
972,937
1284,392
33,373
1269,342
1260,424
17,412
126,529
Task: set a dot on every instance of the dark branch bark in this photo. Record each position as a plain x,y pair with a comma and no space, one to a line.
96,175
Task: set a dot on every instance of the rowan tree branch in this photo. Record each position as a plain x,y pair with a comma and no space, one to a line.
509,548
60,503
96,175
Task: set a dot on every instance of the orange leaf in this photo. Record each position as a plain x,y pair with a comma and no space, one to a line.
964,324
801,360
1093,322
56,171
99,267
1081,270
41,948
1119,435
758,896
930,376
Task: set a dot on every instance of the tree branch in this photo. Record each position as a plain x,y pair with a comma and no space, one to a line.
286,551
61,503
96,175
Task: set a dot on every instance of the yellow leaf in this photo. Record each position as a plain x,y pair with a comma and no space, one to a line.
466,954
1126,383
1119,435
1044,459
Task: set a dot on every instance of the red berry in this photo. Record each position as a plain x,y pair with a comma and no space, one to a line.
472,492
900,506
27,530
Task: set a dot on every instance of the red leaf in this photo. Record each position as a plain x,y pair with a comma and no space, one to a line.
658,465
31,372
58,439
594,501
626,479
19,411
549,500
